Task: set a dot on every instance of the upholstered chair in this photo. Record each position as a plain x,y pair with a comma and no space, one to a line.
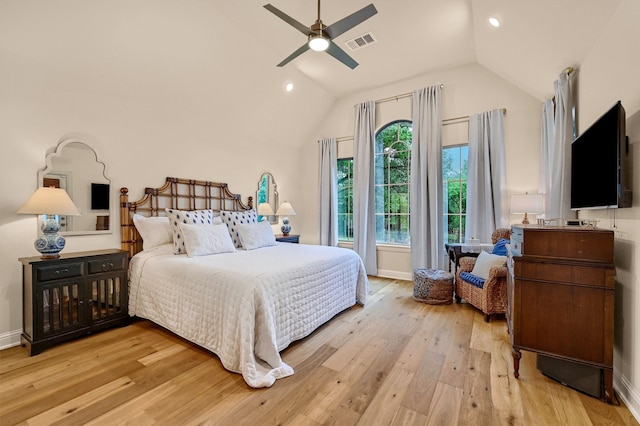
488,295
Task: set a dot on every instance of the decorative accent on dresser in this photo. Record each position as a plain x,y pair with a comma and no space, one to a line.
288,238
73,295
561,299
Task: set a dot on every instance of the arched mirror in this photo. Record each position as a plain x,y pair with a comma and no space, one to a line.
267,193
74,166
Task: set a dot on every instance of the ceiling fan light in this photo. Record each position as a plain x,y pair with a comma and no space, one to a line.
318,43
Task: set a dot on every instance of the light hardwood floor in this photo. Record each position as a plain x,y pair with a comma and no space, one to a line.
395,361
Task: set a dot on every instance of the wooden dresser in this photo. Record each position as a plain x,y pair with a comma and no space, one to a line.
561,296
73,295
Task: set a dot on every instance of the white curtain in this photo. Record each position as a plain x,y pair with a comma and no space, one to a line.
559,133
486,179
328,190
426,214
364,218
546,145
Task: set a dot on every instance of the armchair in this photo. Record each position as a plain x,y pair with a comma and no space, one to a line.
490,298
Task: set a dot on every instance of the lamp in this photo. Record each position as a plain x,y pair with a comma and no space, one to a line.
264,210
527,203
49,202
285,209
318,42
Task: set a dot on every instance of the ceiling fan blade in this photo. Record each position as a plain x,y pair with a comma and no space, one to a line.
341,55
345,24
294,55
288,19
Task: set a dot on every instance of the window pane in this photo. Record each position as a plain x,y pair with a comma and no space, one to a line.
381,228
454,175
464,153
453,197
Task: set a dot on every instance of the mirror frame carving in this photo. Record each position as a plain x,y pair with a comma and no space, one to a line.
271,219
56,152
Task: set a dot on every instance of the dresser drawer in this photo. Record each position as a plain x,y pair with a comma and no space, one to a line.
567,274
115,263
56,272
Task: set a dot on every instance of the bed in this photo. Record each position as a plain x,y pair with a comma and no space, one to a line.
244,303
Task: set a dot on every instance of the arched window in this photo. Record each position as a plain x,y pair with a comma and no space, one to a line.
392,171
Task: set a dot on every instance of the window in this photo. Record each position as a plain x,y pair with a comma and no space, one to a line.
392,167
345,199
454,178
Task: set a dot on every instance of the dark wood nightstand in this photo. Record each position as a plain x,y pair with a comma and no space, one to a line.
73,295
288,239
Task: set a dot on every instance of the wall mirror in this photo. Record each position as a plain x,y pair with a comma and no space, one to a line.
74,166
267,193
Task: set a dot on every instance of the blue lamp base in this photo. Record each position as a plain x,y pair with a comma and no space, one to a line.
286,228
50,243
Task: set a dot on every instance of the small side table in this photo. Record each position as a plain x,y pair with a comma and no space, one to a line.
288,239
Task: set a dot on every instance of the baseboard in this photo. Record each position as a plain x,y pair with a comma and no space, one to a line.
628,395
10,339
395,275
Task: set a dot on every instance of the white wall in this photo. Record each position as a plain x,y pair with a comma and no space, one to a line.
155,94
608,74
467,90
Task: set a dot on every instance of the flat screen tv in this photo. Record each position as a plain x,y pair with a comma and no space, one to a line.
599,162
99,196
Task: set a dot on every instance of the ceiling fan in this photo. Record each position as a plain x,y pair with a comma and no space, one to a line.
320,36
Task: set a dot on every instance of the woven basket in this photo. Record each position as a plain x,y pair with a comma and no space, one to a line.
433,286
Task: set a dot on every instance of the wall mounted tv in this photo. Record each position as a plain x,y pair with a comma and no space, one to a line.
599,164
99,196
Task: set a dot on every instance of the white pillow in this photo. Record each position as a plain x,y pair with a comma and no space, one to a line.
201,240
235,218
155,231
191,217
486,261
256,235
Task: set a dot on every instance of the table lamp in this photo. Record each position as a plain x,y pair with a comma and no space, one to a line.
285,209
50,202
527,203
264,210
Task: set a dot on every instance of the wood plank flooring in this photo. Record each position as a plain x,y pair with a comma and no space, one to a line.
393,362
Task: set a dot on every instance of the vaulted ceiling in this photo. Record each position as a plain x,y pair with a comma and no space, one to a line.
534,43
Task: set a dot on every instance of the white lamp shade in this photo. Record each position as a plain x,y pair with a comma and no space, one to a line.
286,209
318,43
265,209
49,200
527,203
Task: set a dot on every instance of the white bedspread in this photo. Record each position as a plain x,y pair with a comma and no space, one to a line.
247,306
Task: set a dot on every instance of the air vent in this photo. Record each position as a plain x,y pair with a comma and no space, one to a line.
360,41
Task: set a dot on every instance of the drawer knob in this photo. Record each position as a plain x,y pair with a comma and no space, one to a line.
58,271
107,266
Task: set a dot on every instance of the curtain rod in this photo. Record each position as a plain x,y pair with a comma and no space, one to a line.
395,98
444,122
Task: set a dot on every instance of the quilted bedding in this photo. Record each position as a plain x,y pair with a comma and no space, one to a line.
247,306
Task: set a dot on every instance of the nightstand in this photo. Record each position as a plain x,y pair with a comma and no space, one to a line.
73,295
288,239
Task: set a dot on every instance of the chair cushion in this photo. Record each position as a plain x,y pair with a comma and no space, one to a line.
472,279
485,262
500,247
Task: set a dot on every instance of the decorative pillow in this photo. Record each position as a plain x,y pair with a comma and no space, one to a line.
256,235
233,219
201,240
500,247
194,217
155,231
485,262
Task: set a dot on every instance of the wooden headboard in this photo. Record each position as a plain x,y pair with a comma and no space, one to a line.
176,193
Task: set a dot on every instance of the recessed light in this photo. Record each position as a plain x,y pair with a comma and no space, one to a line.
289,87
494,22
